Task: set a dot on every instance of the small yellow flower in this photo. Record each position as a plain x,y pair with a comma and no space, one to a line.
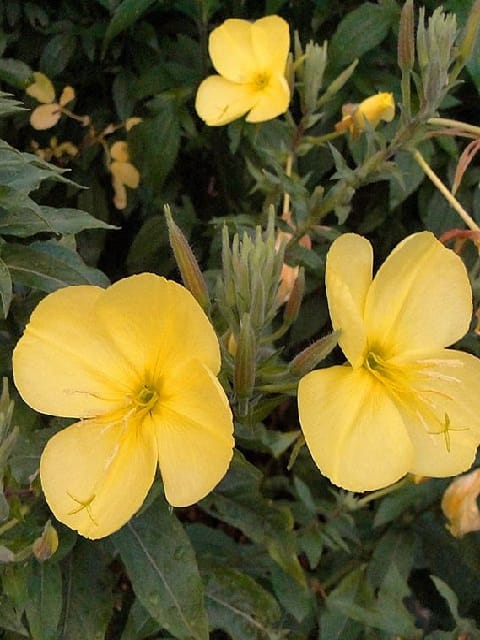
251,59
124,173
137,363
403,402
459,504
373,109
47,114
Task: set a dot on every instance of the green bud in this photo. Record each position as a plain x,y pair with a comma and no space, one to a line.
406,38
467,45
187,263
315,63
308,359
245,360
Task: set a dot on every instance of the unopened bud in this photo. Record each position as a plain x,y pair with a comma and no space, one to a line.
245,359
406,38
308,359
292,308
45,546
470,34
187,263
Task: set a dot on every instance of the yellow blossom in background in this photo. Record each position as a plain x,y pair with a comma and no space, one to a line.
49,112
137,364
459,504
251,58
55,150
403,402
124,173
373,109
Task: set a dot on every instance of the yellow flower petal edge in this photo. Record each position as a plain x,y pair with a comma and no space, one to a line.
250,58
137,362
403,402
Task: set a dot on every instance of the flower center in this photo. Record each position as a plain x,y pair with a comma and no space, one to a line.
145,398
261,81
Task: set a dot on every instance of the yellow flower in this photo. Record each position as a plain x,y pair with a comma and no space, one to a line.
459,504
124,174
403,403
47,114
137,363
251,58
374,108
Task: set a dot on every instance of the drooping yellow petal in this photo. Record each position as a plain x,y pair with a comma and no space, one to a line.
231,50
125,173
67,95
460,504
348,276
374,108
446,431
96,476
65,363
45,116
353,429
193,424
271,43
119,194
271,101
42,88
220,101
157,325
119,151
420,299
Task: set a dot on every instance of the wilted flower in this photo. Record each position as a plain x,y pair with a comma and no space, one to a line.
289,274
251,59
459,504
48,113
373,109
403,403
124,173
137,363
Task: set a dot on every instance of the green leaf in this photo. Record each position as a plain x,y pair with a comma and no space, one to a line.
140,624
161,565
9,105
240,606
44,604
10,619
15,72
88,600
238,501
154,144
48,266
23,223
57,53
360,31
126,14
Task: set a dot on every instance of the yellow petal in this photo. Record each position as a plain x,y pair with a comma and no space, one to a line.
271,101
348,277
119,151
67,95
353,429
65,363
119,194
42,88
445,437
125,173
459,504
374,108
420,299
220,101
96,476
158,325
45,116
231,50
271,43
194,433
132,122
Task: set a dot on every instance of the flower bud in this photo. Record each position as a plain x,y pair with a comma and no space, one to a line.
187,263
45,546
245,359
459,504
308,359
406,38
